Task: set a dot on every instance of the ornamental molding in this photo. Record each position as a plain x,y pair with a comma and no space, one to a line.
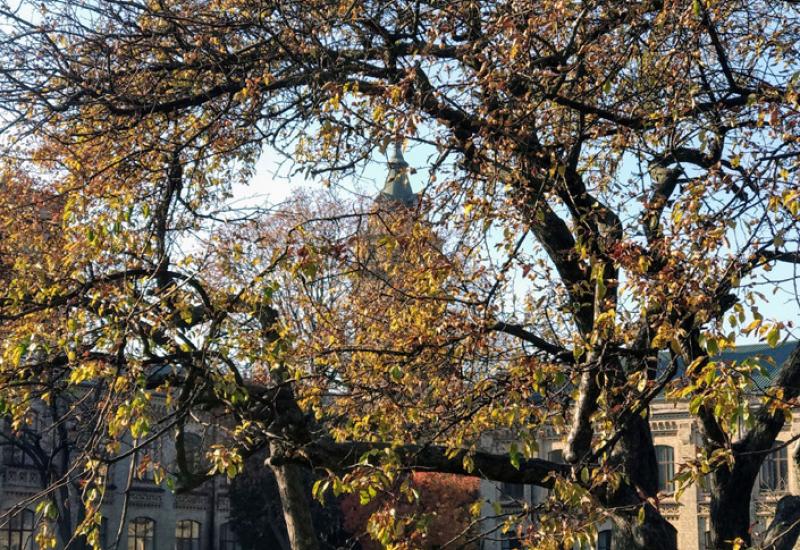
664,426
145,500
22,477
191,502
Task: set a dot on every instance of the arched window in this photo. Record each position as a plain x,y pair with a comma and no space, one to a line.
604,540
17,453
665,457
18,533
774,473
227,538
142,534
187,535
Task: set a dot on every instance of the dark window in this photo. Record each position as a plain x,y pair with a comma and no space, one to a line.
15,453
666,467
17,456
556,456
775,470
142,534
187,535
148,459
604,540
227,538
512,491
510,542
18,534
193,446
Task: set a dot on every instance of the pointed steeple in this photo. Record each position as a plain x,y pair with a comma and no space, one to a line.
397,187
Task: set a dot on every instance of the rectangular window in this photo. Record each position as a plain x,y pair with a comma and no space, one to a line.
512,491
774,474
665,457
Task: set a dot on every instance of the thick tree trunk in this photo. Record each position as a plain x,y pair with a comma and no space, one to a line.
296,507
636,453
730,515
654,533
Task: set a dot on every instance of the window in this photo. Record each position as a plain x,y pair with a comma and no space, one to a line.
775,470
227,538
193,447
604,540
187,535
16,453
17,456
512,491
18,534
510,542
142,534
148,459
666,468
556,456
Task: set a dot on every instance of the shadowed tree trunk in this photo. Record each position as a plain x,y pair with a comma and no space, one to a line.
296,508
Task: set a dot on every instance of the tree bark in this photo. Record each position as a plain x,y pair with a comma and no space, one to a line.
654,533
729,512
636,453
294,498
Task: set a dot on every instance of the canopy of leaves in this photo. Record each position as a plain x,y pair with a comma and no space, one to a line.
607,182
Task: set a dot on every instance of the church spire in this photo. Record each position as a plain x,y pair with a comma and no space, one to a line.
397,187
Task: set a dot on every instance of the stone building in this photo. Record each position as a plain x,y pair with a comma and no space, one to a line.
137,511
677,440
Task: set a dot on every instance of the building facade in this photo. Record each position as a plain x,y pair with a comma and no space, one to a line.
139,510
677,440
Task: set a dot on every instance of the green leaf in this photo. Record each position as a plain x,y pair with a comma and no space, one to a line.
514,455
773,336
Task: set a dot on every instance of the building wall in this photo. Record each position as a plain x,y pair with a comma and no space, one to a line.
208,505
672,426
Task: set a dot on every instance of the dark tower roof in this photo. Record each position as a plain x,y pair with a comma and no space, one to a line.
397,187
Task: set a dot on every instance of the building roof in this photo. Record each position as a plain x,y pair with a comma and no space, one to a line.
768,358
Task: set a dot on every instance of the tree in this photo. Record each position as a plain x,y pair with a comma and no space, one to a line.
632,162
258,518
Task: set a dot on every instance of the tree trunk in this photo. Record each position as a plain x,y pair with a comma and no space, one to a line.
294,498
654,533
635,453
730,505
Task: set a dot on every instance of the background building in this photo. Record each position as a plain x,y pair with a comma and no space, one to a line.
677,440
136,510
